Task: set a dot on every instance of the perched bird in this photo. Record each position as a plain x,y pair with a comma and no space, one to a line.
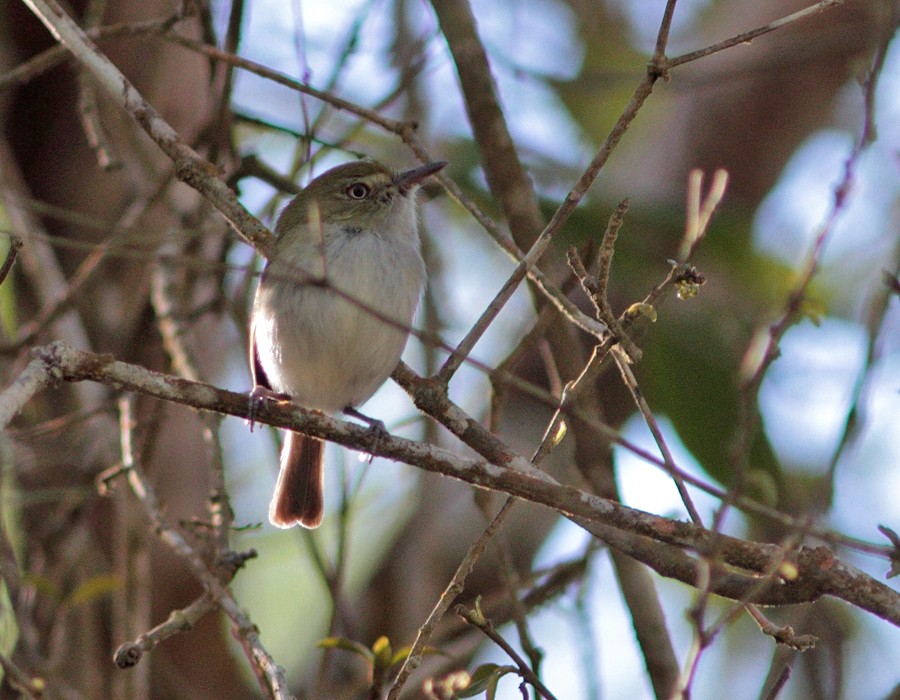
333,309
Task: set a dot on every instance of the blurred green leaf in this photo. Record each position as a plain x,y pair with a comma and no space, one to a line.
347,645
382,654
43,586
93,588
484,680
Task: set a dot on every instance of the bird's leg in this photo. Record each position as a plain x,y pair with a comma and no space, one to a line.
258,397
376,427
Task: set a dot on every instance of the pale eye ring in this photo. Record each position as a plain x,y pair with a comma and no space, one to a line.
358,190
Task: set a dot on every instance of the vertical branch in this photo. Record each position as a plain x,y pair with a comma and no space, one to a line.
164,288
504,171
89,103
131,603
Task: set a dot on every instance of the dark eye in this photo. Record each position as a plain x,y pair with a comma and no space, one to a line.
357,190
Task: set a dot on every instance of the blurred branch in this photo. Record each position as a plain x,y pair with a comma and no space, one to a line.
55,55
747,37
15,245
475,618
190,167
214,583
88,105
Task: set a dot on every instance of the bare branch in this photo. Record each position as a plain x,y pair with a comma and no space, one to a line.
190,167
747,37
819,571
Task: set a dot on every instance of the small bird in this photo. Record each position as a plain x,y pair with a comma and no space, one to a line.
332,311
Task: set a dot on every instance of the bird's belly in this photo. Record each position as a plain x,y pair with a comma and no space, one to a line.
332,349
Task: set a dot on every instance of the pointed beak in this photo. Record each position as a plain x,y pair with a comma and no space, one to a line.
410,179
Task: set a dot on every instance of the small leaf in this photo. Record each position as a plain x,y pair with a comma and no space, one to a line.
478,616
382,653
93,588
642,309
560,433
493,682
43,585
347,645
403,652
481,680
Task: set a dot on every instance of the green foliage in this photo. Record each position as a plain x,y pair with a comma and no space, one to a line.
88,591
484,680
380,657
8,314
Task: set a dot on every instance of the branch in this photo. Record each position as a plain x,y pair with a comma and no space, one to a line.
190,167
129,653
475,618
245,631
819,572
747,37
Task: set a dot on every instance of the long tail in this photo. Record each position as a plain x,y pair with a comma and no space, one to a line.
299,494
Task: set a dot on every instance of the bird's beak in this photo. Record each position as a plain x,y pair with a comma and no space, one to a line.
410,179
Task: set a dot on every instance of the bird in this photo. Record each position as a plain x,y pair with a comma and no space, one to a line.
333,310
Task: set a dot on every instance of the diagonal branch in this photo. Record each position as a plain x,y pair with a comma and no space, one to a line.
190,167
819,572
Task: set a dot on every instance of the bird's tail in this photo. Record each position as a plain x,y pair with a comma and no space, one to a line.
299,496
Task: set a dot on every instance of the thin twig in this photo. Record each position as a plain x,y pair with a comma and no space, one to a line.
638,396
747,37
15,245
88,105
190,167
450,593
128,654
477,619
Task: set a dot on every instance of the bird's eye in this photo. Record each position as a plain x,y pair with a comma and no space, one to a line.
357,190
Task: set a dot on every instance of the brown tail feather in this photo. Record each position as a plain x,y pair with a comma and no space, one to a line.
298,494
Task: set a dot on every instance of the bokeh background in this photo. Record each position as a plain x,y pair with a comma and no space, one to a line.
782,114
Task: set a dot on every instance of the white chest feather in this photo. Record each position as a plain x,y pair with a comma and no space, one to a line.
332,312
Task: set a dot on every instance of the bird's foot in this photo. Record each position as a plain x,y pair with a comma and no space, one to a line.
376,427
260,395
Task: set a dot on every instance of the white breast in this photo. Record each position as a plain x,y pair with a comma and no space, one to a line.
332,346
